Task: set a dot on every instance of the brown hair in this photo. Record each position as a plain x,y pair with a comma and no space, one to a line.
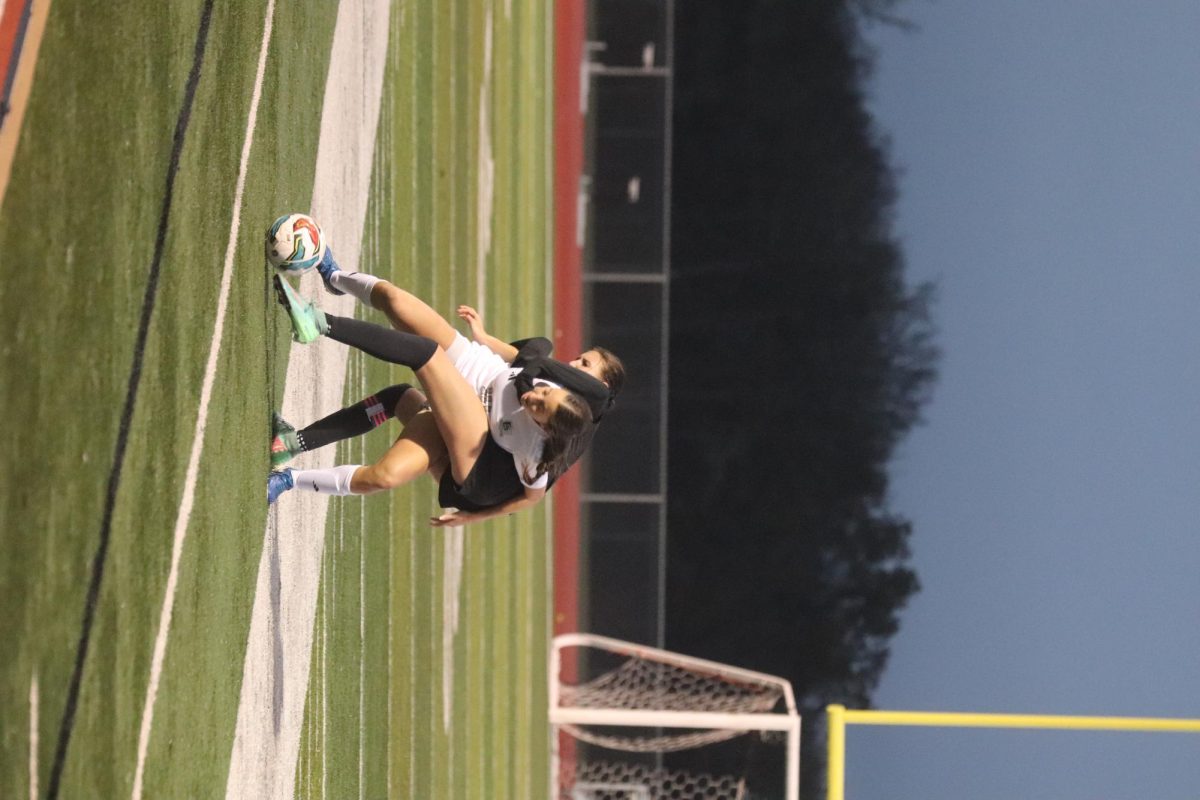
566,428
612,372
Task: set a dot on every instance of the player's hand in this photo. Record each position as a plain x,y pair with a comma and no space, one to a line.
474,321
451,518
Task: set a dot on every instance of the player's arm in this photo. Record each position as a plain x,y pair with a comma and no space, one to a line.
531,497
475,322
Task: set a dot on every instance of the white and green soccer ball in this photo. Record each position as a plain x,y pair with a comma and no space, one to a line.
295,244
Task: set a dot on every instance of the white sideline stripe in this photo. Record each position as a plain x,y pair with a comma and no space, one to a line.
33,721
279,647
362,644
487,171
452,563
210,372
328,577
452,546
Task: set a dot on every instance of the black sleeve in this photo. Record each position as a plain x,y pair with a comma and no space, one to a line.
530,355
593,391
533,357
529,350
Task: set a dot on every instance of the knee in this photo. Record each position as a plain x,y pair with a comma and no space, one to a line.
410,403
402,401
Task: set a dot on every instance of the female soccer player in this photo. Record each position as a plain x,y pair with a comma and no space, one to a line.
494,443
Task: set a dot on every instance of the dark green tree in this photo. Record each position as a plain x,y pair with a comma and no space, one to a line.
800,357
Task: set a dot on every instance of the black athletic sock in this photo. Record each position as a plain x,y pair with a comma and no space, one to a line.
395,346
355,420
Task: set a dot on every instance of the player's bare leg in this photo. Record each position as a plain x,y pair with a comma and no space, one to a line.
417,451
411,314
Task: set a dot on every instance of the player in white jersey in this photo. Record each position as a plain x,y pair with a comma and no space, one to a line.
510,425
485,467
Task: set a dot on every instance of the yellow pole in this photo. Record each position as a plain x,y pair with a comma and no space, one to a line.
836,740
965,720
839,717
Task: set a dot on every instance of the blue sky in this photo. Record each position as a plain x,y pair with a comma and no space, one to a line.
1049,158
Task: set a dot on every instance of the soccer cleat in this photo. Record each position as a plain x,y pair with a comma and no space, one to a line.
285,444
278,482
308,322
328,268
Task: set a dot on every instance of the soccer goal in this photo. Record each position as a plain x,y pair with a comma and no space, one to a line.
631,722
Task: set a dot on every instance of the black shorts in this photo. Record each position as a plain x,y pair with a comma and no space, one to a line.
491,481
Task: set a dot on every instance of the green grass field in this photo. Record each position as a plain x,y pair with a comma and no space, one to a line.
428,665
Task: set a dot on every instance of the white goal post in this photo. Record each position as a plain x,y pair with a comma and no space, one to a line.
648,700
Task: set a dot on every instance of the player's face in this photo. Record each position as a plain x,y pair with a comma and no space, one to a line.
542,401
591,363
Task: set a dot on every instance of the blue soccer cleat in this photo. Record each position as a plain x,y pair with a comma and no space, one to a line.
328,268
308,323
278,483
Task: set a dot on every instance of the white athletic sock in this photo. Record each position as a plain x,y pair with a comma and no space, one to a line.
356,284
333,481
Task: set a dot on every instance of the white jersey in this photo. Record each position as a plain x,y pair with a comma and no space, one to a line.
511,426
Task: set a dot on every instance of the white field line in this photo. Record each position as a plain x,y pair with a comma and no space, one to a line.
452,545
452,562
362,649
485,194
33,731
279,647
210,371
391,669
327,600
362,598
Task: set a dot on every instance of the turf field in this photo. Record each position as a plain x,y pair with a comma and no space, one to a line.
428,660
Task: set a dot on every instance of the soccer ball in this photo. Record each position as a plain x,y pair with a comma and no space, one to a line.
295,244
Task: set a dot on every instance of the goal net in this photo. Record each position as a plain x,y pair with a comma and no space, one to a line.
637,723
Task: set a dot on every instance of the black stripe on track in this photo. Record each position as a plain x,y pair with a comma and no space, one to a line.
135,377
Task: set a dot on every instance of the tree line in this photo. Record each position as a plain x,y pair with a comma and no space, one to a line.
800,356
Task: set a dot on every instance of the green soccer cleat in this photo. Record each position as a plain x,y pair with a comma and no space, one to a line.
308,322
285,444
